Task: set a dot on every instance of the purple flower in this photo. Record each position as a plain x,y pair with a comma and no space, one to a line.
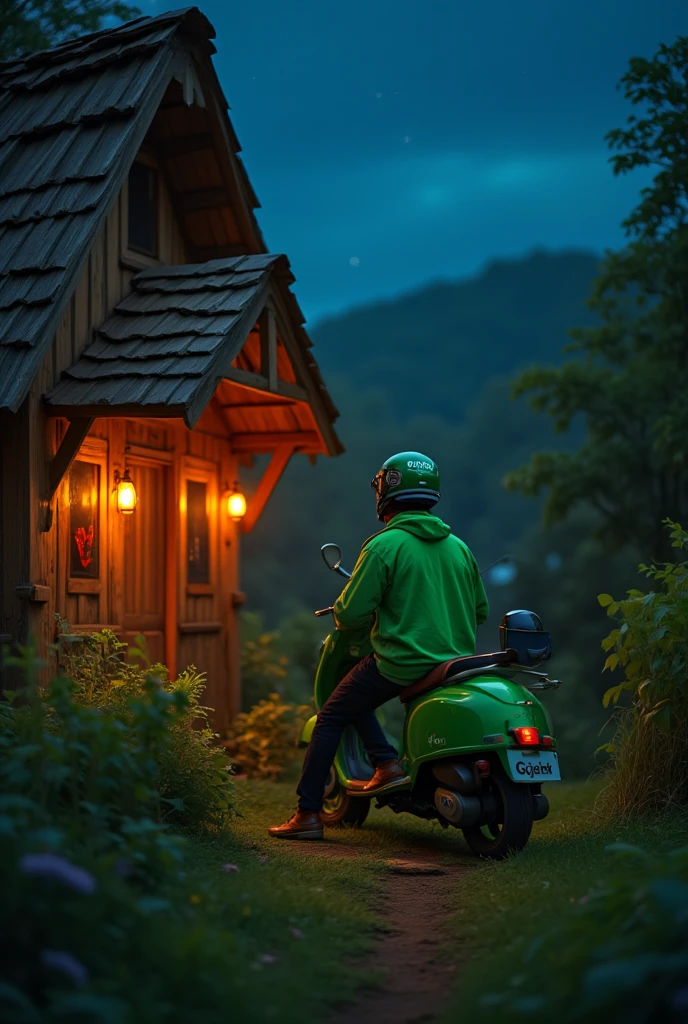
296,932
50,865
65,963
230,868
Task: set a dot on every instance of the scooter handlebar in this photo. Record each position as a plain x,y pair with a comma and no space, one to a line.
324,611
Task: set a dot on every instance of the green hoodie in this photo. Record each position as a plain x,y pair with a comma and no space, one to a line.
422,586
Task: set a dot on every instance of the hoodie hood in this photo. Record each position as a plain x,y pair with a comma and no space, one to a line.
420,524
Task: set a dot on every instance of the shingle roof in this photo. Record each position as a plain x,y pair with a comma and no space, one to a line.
166,344
71,121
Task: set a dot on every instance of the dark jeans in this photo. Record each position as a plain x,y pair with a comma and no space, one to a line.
353,702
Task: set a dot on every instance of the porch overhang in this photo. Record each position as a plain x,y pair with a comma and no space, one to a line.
226,334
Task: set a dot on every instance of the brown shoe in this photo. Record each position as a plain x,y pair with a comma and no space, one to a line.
302,825
389,775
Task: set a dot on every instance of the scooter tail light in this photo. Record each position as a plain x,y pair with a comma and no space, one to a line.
526,736
483,768
547,741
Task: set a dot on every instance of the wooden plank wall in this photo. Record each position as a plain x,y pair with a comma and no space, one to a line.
103,283
31,554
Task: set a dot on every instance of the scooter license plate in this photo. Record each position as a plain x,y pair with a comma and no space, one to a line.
534,765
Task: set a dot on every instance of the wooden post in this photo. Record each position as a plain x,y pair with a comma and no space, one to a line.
268,347
171,566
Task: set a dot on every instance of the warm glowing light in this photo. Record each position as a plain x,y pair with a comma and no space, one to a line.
526,736
126,494
236,504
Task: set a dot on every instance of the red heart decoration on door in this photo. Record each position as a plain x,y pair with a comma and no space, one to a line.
84,542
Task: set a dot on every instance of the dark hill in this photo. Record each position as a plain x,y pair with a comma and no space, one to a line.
434,349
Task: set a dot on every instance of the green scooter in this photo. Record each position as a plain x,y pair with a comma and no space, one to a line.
477,743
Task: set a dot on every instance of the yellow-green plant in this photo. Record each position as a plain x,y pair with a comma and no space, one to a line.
263,665
193,770
649,754
262,742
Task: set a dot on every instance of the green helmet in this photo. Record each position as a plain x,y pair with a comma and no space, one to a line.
407,477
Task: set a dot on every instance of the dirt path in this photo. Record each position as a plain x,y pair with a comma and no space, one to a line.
416,978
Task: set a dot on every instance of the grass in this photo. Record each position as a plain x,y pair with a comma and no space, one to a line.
307,916
300,915
499,909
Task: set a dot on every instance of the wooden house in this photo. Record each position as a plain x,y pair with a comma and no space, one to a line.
145,335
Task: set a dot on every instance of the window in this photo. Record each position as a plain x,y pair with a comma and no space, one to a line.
84,521
197,532
143,209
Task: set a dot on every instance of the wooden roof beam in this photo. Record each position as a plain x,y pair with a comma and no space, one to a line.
67,452
257,442
257,382
269,403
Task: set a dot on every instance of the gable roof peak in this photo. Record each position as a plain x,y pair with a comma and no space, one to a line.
191,20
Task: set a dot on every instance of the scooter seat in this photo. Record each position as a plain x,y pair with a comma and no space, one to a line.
441,675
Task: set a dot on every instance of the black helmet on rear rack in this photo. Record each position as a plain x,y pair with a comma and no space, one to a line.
522,630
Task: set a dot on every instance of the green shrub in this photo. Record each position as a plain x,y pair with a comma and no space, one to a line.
263,665
193,780
280,661
98,921
621,954
649,753
262,742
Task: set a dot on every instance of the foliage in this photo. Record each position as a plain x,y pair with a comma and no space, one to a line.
27,25
263,665
107,916
621,953
262,742
649,753
279,661
559,573
193,779
630,373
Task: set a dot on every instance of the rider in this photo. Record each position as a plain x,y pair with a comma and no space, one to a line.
420,589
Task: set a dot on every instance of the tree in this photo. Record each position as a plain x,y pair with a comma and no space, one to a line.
27,25
628,379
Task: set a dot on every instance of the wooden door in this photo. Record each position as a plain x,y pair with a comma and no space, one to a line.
145,544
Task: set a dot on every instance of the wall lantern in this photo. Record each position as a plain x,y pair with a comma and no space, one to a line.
126,493
236,504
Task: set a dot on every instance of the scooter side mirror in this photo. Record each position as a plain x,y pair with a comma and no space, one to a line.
332,557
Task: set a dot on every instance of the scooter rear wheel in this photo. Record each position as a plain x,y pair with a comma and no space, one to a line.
510,830
341,810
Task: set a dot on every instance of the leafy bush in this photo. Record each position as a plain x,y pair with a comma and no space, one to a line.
263,665
282,660
103,918
649,754
81,838
192,772
621,954
262,742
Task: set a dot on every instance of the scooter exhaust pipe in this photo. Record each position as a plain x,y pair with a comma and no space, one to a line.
460,810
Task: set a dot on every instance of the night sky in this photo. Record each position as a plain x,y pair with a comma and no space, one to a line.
395,142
